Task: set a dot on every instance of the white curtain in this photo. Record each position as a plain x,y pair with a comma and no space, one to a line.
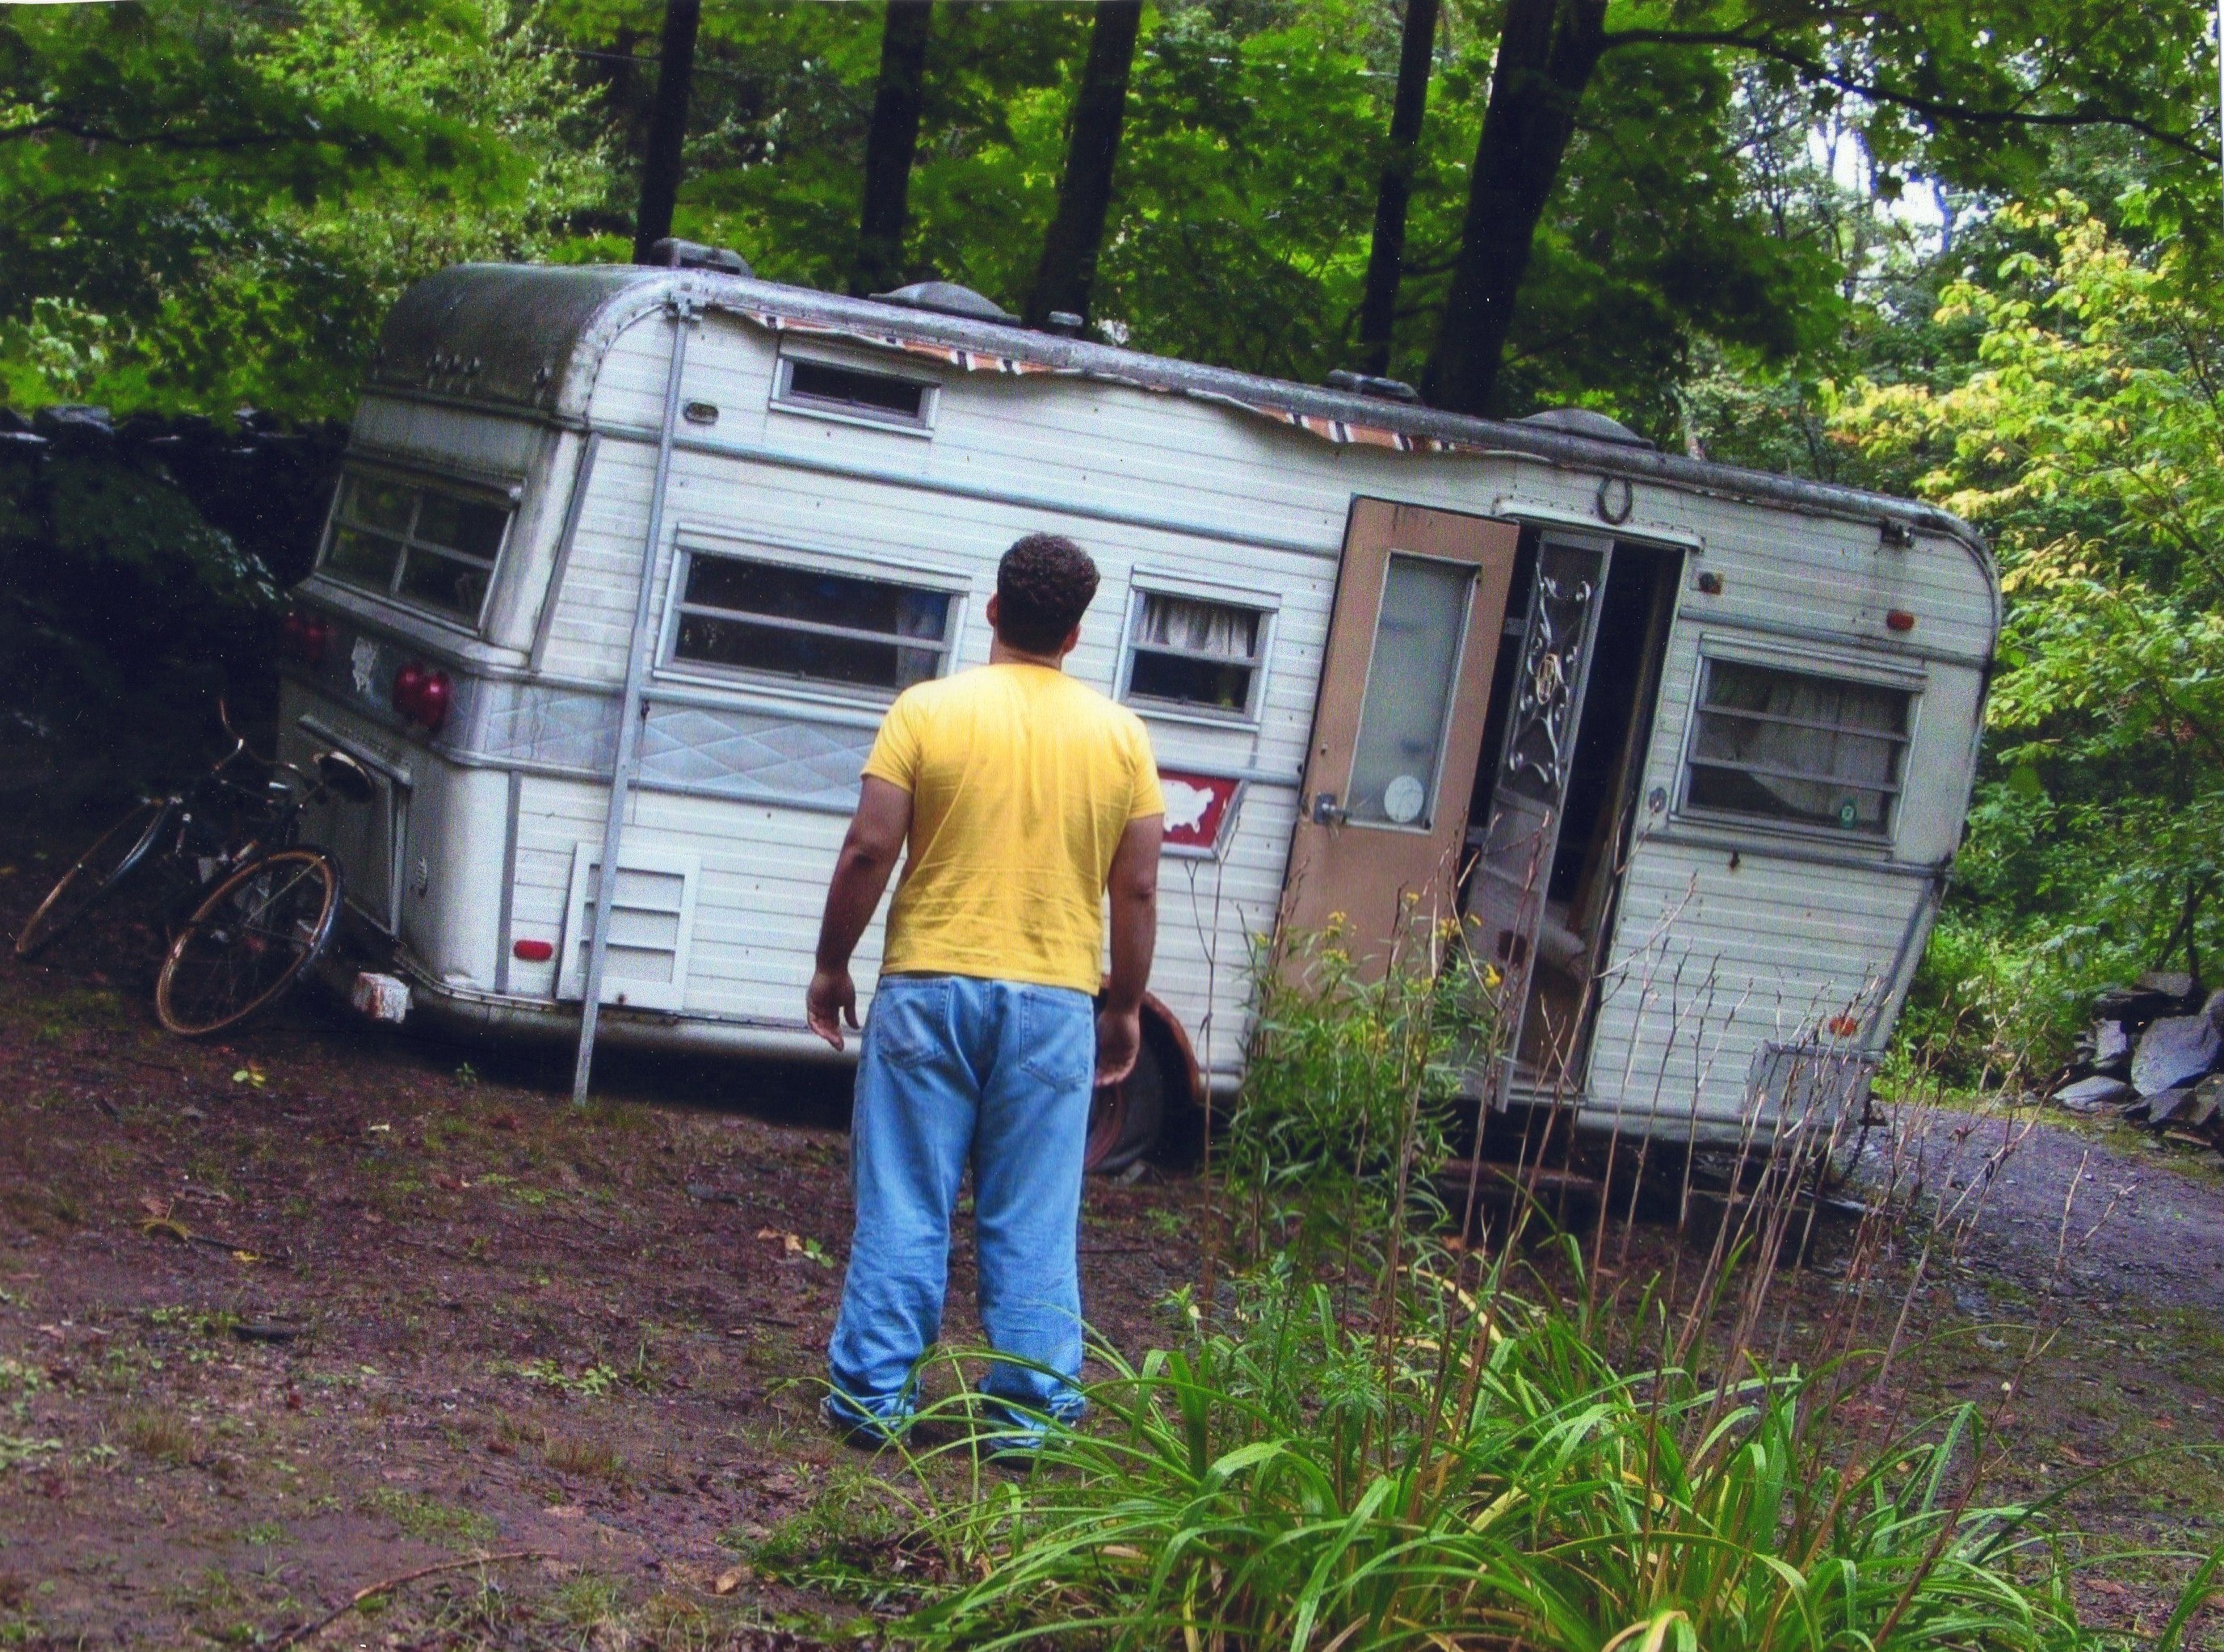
1806,726
1200,627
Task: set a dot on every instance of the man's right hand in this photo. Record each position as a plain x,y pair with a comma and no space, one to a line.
832,1000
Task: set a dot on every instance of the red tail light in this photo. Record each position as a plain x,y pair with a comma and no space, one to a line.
534,952
407,682
305,635
434,696
423,695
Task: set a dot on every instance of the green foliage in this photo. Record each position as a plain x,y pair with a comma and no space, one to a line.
2085,438
1485,1476
1351,1087
206,201
115,595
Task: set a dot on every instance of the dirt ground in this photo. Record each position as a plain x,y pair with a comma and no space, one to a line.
317,1308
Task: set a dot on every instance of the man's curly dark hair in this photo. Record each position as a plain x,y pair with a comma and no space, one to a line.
1044,585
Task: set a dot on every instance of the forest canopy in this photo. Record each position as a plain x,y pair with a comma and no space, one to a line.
1965,250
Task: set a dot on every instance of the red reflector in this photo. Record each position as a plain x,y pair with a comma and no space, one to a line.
535,952
1899,620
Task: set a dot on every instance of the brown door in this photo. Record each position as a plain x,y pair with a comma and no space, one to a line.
1405,687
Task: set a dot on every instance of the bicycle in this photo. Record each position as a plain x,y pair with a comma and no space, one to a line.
263,905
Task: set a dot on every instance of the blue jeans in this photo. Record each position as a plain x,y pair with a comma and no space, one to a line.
955,1070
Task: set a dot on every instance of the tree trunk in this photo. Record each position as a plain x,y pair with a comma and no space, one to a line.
1545,59
889,146
1068,270
667,127
1386,256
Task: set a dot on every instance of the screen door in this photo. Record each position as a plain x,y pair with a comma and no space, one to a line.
1514,866
1405,687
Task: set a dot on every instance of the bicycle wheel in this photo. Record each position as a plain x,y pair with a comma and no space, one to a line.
248,941
114,856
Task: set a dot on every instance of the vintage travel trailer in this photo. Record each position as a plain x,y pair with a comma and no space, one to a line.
627,561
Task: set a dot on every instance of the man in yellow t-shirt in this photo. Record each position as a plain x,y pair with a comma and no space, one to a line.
1025,798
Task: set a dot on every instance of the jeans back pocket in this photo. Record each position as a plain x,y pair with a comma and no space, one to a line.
910,1020
1057,1031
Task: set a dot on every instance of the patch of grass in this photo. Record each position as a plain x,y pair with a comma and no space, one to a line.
586,1601
587,1457
18,1450
264,1533
163,1434
428,1518
853,1541
592,1383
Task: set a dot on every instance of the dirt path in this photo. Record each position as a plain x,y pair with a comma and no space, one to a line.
2105,1213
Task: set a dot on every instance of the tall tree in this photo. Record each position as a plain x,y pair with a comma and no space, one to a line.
1546,56
1386,254
1067,273
667,126
1964,87
890,143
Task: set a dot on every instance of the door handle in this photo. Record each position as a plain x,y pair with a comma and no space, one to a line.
1325,811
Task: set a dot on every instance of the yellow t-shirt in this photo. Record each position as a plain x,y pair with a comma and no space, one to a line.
1021,781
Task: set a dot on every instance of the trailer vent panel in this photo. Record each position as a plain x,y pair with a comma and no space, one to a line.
652,926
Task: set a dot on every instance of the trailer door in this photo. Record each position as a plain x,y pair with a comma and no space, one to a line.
1398,724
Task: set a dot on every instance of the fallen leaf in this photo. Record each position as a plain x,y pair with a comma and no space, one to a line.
150,1225
729,1581
153,1206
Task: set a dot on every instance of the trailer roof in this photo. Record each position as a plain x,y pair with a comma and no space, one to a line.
532,337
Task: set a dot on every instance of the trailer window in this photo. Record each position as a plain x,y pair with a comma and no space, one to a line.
1195,653
1780,745
825,386
421,545
763,616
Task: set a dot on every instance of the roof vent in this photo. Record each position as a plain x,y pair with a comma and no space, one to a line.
947,297
1582,421
1366,384
671,253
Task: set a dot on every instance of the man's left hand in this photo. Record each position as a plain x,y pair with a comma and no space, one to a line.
1119,1040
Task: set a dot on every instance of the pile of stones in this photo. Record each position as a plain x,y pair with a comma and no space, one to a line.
2154,1055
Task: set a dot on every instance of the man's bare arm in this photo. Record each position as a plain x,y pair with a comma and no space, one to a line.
868,855
1134,888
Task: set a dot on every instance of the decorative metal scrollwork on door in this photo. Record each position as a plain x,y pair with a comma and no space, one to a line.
1540,732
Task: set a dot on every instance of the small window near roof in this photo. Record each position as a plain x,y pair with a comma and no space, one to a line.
826,387
767,617
1785,746
1190,652
426,545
